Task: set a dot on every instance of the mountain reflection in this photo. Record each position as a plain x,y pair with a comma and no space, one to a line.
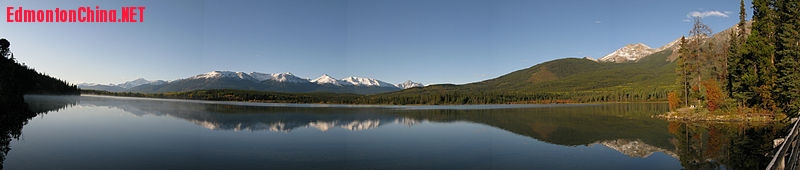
635,148
254,118
626,128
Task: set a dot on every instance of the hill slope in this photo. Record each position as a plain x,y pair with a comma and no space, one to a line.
17,79
648,78
562,80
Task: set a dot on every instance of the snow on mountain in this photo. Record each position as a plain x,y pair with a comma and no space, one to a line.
409,84
120,87
139,82
326,79
291,78
360,81
590,58
631,52
670,45
88,84
158,82
212,80
224,74
279,77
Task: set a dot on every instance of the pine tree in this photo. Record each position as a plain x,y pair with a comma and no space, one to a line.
736,63
758,57
695,60
682,70
787,56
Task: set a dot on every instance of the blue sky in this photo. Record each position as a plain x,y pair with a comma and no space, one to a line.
428,41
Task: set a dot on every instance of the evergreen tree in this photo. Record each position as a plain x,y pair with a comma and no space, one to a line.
682,70
736,64
694,61
17,79
9,91
758,57
787,56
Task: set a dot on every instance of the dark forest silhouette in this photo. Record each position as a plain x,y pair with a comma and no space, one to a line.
16,80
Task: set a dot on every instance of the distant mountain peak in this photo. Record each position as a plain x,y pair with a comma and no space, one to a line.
122,86
224,74
326,79
137,82
670,45
279,77
409,84
629,53
638,45
361,81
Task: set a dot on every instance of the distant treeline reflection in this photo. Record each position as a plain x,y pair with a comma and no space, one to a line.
433,97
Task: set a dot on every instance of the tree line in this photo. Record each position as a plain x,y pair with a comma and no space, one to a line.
430,98
758,70
18,79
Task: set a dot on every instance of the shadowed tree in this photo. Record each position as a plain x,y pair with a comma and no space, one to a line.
787,57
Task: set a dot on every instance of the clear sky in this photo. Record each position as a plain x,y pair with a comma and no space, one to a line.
427,41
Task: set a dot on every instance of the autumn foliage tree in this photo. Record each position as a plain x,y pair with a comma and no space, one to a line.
714,94
674,101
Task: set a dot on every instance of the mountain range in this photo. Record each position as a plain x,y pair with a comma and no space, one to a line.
634,72
275,82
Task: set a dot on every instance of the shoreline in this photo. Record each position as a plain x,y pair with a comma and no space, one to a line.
694,115
367,104
253,103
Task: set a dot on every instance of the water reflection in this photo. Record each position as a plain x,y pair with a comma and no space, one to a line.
625,128
251,118
725,145
15,114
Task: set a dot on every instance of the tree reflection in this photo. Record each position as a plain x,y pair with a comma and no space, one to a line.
724,145
14,114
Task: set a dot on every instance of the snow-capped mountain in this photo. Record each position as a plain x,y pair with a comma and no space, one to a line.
279,77
120,87
274,82
361,81
224,74
670,45
635,52
409,84
326,79
631,52
139,82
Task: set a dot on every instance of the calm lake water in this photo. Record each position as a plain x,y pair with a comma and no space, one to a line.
92,132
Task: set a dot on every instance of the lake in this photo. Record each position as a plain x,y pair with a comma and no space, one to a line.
97,132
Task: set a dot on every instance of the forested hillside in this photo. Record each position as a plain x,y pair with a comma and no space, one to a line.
17,79
558,81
